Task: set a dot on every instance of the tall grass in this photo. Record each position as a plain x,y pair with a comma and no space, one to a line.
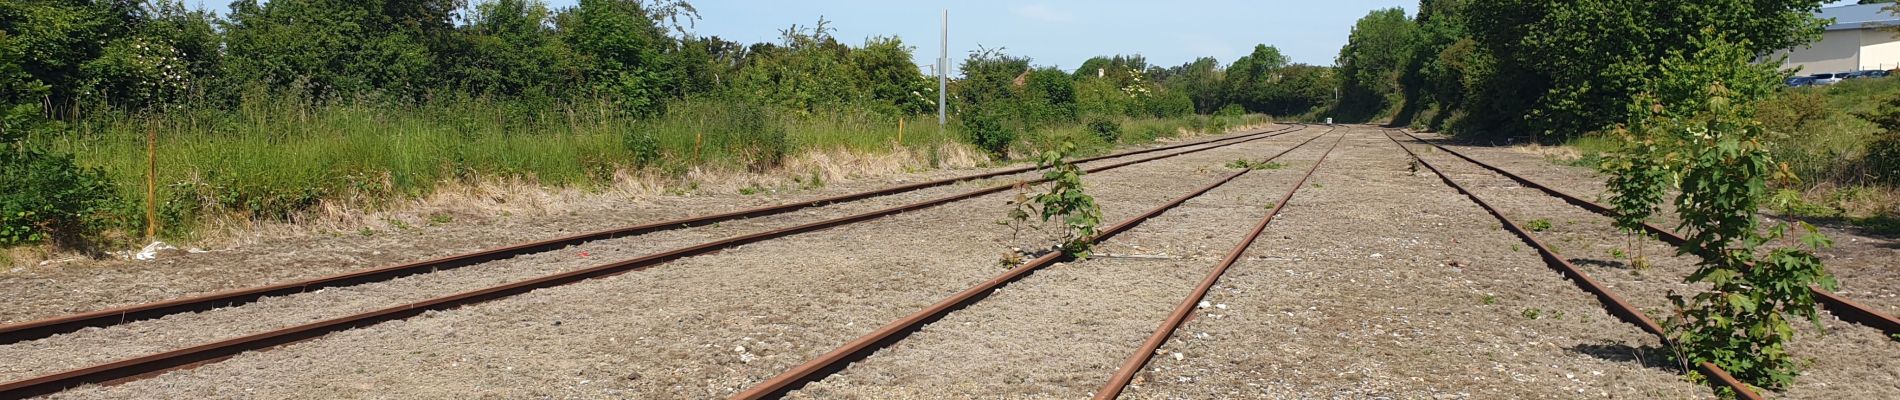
271,159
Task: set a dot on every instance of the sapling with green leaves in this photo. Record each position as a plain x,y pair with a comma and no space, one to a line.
1638,179
1701,136
1064,201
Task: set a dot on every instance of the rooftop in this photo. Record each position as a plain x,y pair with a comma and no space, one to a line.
1859,16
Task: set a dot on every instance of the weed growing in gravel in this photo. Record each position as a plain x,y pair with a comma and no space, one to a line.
751,190
1617,254
1489,300
1694,128
1533,313
440,219
1538,225
1255,165
1065,200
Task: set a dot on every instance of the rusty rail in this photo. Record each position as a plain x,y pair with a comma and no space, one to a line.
138,367
1135,362
838,358
41,328
1610,300
1841,307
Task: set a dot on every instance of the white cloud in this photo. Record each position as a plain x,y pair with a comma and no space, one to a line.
1043,12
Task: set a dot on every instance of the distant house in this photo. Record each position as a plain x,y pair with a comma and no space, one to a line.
1859,39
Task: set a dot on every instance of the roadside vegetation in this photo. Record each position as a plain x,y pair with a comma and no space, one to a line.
286,108
1671,101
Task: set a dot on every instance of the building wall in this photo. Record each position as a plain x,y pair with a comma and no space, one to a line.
1879,49
1835,52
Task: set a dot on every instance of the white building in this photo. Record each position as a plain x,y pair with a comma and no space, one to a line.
1858,40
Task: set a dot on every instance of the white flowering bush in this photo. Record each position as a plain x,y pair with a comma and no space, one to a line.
137,72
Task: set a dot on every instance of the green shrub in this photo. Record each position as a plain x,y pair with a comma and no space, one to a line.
988,133
46,196
1883,158
1107,129
645,148
1231,110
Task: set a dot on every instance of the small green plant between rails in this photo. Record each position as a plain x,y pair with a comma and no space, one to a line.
1254,165
1065,202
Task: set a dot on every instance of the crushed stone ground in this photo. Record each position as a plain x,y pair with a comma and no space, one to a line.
1376,282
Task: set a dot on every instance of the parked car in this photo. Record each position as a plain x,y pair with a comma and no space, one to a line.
1866,74
1800,81
1826,79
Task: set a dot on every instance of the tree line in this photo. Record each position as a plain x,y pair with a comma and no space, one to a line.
1547,70
67,59
105,70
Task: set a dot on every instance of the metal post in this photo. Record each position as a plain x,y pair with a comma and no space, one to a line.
943,64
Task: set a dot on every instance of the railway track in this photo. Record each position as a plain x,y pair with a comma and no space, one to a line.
17,332
1840,306
888,334
1139,359
1612,302
148,365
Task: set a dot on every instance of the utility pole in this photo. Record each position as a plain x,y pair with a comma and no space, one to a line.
943,64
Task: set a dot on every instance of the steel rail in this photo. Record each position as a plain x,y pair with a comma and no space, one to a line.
1610,300
1847,310
1135,362
13,333
142,366
837,359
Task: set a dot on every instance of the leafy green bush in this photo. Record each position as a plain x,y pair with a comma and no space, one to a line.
988,133
1231,110
644,146
46,196
761,139
1107,129
1883,158
1064,200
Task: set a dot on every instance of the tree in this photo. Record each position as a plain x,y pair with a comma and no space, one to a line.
511,50
1249,81
331,48
1563,68
985,96
1371,64
54,40
1203,81
623,50
890,76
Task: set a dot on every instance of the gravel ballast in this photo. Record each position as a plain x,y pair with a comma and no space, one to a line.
1379,283
698,327
1850,361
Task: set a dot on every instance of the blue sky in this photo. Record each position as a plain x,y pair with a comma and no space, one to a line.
1053,32
1064,33
1057,32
